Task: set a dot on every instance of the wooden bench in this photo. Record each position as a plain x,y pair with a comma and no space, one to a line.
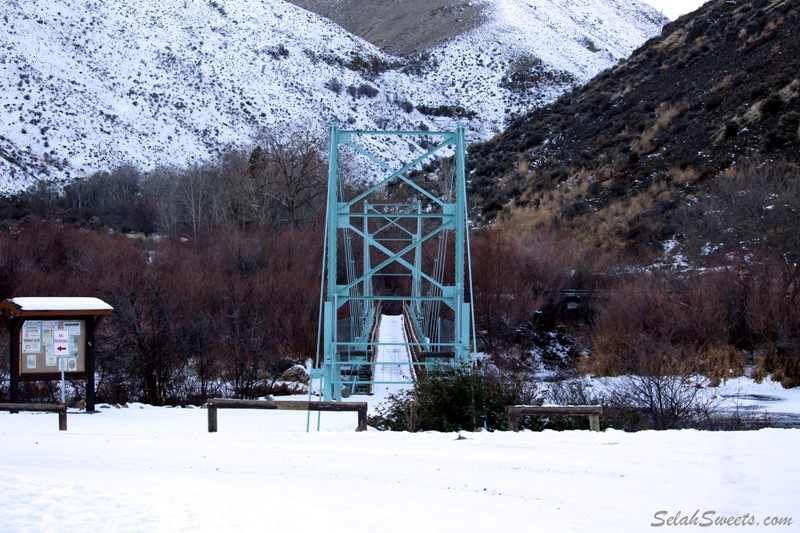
594,412
219,403
59,408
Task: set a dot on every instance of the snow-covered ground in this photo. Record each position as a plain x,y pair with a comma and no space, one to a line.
142,468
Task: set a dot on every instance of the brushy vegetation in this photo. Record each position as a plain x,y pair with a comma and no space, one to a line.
201,308
528,73
455,400
665,398
741,311
192,319
204,314
476,399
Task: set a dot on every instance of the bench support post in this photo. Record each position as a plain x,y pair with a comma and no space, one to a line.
59,408
212,419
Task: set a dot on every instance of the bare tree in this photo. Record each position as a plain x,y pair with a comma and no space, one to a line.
123,185
161,193
196,190
757,205
292,173
231,201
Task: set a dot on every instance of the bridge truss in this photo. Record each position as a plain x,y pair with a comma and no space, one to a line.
398,245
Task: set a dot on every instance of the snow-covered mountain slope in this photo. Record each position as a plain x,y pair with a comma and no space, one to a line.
530,51
87,85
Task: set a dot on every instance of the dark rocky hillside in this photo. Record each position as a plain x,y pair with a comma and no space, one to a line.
399,27
644,151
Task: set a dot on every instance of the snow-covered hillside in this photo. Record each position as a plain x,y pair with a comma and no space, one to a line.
88,85
530,51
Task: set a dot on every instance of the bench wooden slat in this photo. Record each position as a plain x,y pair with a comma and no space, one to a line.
289,405
59,408
594,412
555,410
240,404
41,407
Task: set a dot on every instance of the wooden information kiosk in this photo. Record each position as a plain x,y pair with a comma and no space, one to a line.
50,333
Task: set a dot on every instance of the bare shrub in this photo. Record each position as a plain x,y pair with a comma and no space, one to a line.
520,281
754,206
666,400
664,390
367,90
634,319
573,392
504,297
334,85
697,321
772,318
710,306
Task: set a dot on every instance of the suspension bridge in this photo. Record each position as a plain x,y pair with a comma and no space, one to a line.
397,267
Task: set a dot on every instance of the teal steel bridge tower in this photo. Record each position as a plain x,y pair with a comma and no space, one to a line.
399,244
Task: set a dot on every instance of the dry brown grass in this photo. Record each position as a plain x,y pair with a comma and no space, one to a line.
675,39
751,115
790,91
644,144
770,362
724,83
604,360
547,206
774,24
720,362
523,164
628,88
600,227
683,175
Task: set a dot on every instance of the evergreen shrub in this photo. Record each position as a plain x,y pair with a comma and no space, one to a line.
452,400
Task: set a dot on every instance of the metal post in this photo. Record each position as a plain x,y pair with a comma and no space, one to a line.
417,282
61,364
329,351
462,319
366,252
333,228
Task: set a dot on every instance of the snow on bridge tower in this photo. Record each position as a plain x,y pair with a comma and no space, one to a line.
398,245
